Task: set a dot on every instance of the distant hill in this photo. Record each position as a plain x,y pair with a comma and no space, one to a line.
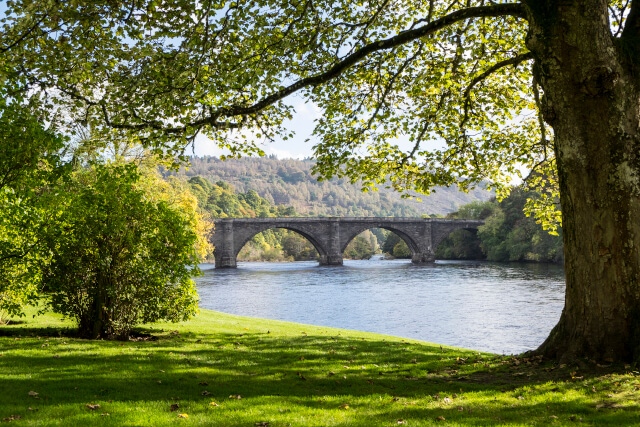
290,182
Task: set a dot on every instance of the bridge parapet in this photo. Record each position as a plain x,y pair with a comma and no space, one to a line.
331,235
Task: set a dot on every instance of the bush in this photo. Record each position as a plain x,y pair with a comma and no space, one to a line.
122,255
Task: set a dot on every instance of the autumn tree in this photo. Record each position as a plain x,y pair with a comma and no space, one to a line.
418,93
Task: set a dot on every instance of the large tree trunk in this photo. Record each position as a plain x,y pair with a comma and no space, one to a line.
592,101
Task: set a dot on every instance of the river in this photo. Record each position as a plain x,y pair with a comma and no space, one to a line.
495,307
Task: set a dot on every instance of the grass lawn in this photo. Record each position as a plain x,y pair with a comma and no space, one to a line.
227,370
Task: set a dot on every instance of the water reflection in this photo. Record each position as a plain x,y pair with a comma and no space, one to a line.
503,308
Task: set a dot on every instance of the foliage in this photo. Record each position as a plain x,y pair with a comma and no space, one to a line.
507,235
395,246
363,246
297,247
220,200
323,376
29,166
269,177
377,71
123,255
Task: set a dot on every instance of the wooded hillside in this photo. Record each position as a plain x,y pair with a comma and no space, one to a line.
290,182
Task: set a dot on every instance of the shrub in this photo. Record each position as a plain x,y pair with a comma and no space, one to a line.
122,255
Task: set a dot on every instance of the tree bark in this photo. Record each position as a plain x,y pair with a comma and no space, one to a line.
592,101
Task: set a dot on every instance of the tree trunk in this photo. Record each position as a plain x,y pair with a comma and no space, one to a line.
591,99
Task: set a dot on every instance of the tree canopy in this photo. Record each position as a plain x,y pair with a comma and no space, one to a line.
420,71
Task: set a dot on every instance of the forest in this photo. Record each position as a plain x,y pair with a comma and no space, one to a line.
291,182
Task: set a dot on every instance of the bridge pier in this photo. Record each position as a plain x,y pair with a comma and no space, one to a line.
423,258
225,255
331,259
422,237
334,254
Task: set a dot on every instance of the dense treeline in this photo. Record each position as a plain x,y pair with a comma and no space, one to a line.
290,182
508,235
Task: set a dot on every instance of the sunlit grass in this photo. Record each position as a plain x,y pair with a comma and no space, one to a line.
290,375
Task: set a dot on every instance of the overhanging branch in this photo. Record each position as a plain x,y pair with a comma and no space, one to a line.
511,9
495,67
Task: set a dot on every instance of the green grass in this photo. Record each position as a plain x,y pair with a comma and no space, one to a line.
290,375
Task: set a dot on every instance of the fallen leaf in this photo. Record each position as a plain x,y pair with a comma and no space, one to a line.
344,406
205,393
105,414
262,423
554,417
440,418
12,418
213,404
401,421
92,406
183,416
33,393
203,383
174,407
446,400
235,396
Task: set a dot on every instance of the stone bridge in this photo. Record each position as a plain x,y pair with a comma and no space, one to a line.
330,236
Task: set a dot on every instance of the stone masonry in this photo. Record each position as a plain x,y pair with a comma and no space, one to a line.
330,236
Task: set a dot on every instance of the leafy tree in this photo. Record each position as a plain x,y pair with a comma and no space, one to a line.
29,166
297,247
395,246
451,78
123,254
508,235
363,246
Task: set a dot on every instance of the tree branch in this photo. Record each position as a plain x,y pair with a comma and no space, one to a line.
510,9
24,35
495,67
631,30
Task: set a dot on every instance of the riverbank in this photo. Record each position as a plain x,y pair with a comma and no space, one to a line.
229,370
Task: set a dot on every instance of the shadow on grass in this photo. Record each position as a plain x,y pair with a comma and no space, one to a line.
408,380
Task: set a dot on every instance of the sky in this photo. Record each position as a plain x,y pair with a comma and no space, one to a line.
296,148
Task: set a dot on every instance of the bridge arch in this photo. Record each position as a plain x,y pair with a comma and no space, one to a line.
309,237
354,232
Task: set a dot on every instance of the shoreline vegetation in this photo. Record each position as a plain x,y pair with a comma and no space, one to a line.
221,369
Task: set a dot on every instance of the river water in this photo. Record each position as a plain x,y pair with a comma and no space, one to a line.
495,307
